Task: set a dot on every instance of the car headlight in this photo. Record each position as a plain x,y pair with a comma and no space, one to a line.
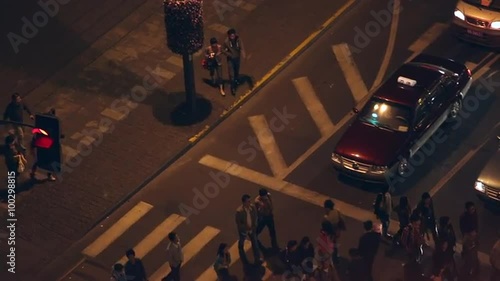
459,14
495,25
379,169
479,186
336,158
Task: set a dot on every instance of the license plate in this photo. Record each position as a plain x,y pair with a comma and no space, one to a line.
475,33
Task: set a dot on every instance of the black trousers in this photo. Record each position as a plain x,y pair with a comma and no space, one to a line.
269,222
175,273
216,74
233,65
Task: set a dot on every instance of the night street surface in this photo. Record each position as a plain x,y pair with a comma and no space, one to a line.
448,173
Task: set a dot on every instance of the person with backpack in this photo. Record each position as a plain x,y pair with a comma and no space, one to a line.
336,219
118,273
213,62
222,262
382,208
412,239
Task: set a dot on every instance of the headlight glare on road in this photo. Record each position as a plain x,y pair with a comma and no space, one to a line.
379,169
495,25
335,158
479,186
459,14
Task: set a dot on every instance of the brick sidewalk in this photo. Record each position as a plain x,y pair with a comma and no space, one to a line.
133,144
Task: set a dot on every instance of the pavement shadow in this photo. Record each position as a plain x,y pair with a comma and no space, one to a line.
24,186
182,115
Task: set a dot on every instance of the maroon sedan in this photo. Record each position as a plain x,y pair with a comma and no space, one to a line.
401,115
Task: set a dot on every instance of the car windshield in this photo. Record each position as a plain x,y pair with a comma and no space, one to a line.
487,4
385,115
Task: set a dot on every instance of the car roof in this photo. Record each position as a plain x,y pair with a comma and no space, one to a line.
393,91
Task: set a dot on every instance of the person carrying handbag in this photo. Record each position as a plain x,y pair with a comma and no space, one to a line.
213,62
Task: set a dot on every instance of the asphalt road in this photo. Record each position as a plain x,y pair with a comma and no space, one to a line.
233,147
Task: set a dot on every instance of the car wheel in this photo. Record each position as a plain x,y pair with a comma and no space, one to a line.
403,167
455,108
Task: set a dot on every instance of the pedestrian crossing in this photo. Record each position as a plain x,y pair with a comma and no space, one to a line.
98,261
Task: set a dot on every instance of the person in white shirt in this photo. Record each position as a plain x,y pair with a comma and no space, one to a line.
175,257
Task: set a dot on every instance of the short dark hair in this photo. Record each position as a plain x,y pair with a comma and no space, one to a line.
263,192
329,204
368,225
469,204
15,96
245,197
213,40
130,252
414,217
426,195
231,31
291,243
118,267
171,236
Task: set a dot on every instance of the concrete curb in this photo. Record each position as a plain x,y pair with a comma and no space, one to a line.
242,100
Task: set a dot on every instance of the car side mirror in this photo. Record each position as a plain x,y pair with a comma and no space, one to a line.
355,110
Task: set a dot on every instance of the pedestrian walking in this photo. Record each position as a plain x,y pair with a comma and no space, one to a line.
14,158
403,211
213,57
324,252
222,262
470,251
367,250
426,210
443,263
134,268
336,218
234,50
469,219
290,257
412,239
306,254
14,112
246,223
495,261
175,257
382,208
265,211
118,273
446,233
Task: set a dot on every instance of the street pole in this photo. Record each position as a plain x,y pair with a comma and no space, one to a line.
189,82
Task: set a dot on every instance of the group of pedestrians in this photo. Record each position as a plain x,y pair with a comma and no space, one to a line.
232,49
317,260
15,151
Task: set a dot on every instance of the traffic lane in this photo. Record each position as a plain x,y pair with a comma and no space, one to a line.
450,200
316,173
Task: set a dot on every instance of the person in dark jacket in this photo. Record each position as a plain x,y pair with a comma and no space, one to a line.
290,256
134,268
246,219
306,253
469,220
234,50
14,112
425,209
367,249
443,264
446,233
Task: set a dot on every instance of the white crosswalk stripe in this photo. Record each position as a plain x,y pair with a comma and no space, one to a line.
150,241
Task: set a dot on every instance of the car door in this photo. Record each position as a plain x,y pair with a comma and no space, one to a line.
422,122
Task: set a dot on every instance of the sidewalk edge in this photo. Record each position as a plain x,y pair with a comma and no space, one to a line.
313,37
